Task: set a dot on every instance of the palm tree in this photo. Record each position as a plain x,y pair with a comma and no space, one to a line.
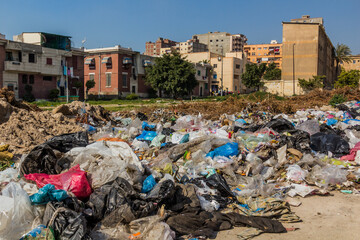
342,53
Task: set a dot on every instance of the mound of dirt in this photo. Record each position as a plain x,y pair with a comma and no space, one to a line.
9,96
27,129
98,113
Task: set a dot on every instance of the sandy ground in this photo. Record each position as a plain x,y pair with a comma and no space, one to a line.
331,217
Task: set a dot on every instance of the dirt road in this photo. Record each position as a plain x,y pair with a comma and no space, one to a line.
323,218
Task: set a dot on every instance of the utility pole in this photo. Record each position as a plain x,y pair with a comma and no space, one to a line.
99,75
222,69
67,82
293,68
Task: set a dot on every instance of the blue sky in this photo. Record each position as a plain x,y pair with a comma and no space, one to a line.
131,23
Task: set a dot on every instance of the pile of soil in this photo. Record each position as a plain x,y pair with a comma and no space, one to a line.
288,105
98,113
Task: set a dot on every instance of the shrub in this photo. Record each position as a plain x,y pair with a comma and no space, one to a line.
132,96
337,99
28,96
348,79
54,93
312,83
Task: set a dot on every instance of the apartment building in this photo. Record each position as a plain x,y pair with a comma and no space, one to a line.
36,59
154,48
203,77
226,70
307,51
222,42
354,64
191,46
117,72
264,53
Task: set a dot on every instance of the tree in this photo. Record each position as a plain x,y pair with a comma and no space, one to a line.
342,53
272,72
348,78
89,85
54,94
312,83
78,85
252,75
172,74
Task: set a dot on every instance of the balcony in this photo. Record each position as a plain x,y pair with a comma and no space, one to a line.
14,66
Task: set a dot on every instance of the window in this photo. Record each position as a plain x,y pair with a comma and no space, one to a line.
24,79
354,61
259,54
91,77
215,65
235,88
49,61
124,80
9,56
47,78
265,48
206,86
31,79
198,72
108,79
252,54
237,66
253,48
215,76
259,48
31,58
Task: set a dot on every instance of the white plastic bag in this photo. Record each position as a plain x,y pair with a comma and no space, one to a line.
16,212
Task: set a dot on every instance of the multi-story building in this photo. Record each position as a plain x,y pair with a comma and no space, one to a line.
42,60
154,48
222,42
264,53
117,72
203,77
190,46
226,70
354,64
307,51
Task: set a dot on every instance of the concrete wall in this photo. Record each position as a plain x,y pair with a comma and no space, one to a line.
2,61
282,87
353,65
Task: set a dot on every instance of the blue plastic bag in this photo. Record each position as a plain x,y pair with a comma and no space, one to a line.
331,121
240,120
145,124
48,193
227,150
185,138
148,184
147,135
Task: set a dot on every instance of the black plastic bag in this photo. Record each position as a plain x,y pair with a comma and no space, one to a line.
279,125
324,143
66,142
219,183
141,116
167,131
41,159
67,224
299,140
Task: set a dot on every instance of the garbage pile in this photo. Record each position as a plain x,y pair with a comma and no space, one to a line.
180,178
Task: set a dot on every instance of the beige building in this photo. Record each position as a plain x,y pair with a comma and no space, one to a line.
353,65
307,51
222,42
227,68
191,46
264,53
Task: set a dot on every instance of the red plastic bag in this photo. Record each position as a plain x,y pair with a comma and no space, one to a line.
74,181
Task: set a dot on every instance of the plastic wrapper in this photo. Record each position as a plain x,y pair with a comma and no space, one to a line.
147,135
16,212
74,181
219,183
295,173
156,142
309,126
39,233
8,175
328,175
209,206
280,125
148,184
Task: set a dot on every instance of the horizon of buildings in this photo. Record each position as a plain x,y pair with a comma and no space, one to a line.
48,61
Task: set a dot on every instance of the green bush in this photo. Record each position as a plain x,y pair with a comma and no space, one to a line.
132,96
28,96
54,93
348,79
337,99
312,83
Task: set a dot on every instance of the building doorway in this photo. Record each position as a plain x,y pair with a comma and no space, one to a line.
133,89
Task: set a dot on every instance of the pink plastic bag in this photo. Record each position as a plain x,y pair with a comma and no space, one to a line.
352,155
74,181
